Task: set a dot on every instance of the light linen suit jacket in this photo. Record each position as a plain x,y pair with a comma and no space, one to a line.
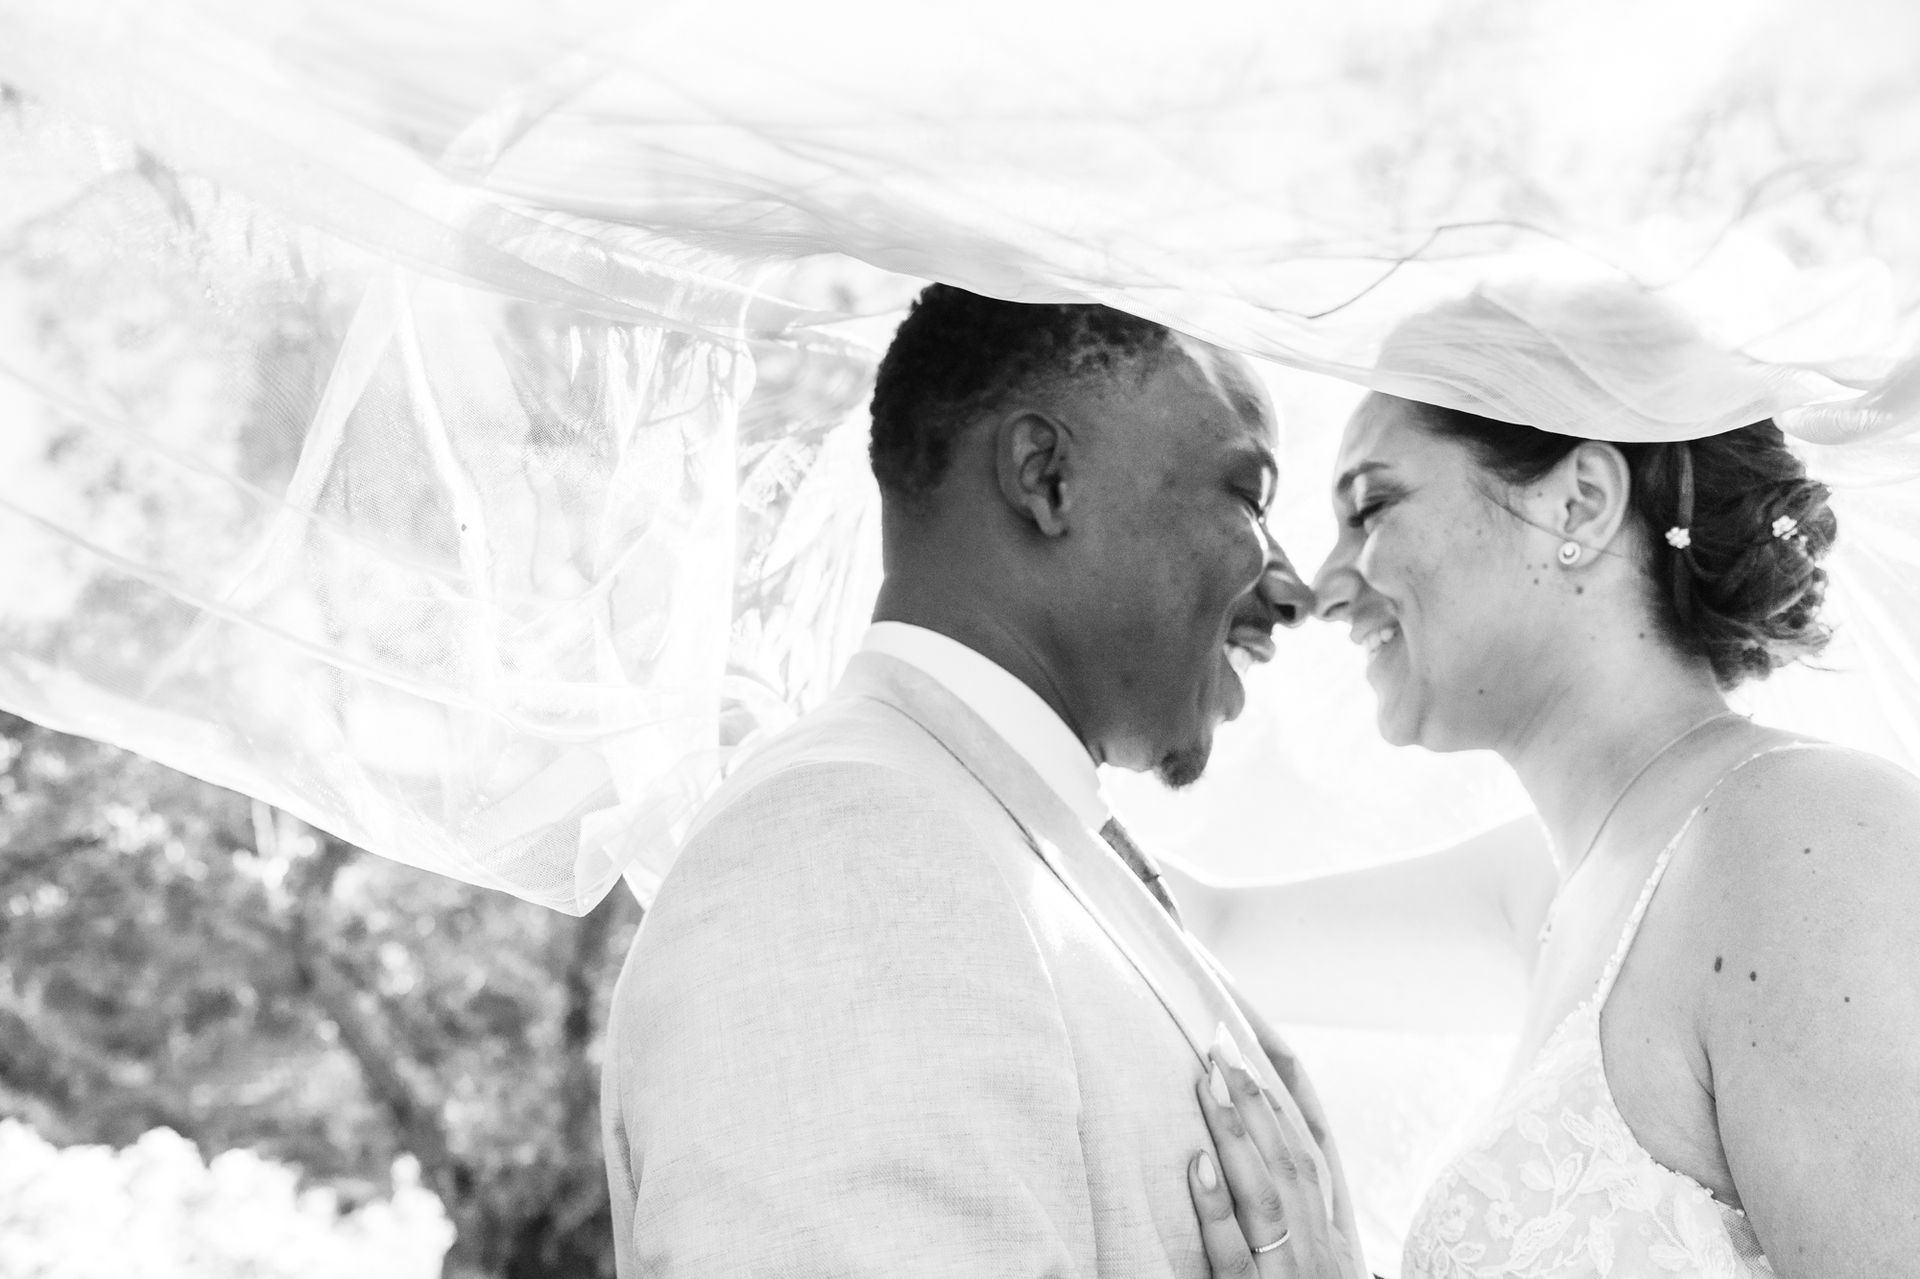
895,1011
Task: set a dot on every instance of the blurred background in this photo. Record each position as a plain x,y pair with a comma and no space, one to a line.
231,1045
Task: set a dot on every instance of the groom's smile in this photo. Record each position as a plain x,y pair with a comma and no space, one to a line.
1176,514
1250,643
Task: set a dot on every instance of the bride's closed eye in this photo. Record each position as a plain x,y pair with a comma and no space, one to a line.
1367,510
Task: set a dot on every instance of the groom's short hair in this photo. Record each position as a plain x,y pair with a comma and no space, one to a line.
957,354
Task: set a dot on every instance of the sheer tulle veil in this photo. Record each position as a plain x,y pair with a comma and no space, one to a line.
446,422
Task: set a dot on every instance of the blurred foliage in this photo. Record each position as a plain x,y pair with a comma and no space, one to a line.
175,955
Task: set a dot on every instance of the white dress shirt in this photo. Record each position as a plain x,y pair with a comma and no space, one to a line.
1010,709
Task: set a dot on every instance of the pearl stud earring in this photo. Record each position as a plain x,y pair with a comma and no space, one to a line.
1570,552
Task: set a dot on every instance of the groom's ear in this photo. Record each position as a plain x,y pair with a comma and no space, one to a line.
1033,464
1594,493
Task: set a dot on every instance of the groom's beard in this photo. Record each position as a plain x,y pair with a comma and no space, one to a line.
1181,768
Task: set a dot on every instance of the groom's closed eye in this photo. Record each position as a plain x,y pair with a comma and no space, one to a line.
1255,480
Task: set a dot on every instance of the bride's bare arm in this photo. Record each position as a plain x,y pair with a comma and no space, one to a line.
1442,940
1812,1023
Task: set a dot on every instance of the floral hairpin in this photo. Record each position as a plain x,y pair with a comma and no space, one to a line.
1785,527
1679,538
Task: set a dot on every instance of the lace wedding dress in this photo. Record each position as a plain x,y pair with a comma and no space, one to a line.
1552,1184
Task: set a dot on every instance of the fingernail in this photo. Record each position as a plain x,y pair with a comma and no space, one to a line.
1217,1085
1225,1049
1209,1175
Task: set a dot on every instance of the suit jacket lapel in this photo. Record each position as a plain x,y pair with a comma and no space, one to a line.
1166,958
1182,975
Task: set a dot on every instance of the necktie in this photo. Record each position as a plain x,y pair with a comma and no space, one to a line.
1139,863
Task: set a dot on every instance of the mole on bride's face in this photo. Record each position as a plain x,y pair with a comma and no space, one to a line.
1435,579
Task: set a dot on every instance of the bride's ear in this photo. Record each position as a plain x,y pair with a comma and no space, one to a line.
1593,494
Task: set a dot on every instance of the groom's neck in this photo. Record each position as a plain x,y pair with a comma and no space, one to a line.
990,626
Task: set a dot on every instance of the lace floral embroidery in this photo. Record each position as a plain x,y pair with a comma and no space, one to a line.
1556,1187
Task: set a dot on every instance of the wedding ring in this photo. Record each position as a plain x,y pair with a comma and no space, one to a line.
1286,1233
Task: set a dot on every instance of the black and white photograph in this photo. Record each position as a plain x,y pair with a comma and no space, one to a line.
674,639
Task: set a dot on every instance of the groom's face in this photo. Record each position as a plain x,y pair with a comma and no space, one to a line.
1183,584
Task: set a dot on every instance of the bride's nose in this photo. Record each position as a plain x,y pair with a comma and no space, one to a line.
1333,588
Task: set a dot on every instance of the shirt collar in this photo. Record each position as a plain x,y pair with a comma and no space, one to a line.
1009,707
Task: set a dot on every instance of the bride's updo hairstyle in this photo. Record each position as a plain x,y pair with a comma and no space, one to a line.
1735,531
1746,586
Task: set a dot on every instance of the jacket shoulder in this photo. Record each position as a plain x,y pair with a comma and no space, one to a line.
857,788
851,742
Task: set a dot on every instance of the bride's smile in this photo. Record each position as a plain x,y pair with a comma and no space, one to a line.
1426,556
1375,641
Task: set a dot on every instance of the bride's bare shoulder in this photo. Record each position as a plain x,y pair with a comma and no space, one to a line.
1811,828
1813,780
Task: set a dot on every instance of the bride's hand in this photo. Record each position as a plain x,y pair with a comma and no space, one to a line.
1262,1211
1300,1088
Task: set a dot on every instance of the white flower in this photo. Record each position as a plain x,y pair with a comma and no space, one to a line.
1450,1223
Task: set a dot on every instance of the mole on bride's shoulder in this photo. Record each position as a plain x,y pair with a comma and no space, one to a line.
1809,846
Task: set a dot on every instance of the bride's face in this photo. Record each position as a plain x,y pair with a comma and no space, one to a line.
1437,580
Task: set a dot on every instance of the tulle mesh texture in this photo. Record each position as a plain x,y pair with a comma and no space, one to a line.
404,423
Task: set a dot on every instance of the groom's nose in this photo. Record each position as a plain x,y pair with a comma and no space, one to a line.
1290,598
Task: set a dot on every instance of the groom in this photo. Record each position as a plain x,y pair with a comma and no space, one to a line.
909,1002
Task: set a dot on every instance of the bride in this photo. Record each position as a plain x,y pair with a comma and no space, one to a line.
1718,1070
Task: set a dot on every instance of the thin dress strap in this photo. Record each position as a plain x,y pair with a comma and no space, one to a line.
1632,928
